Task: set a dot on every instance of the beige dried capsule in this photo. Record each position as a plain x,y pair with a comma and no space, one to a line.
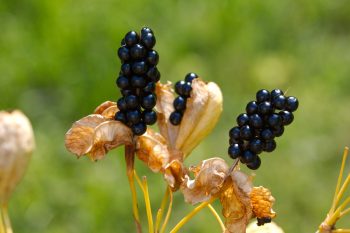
16,146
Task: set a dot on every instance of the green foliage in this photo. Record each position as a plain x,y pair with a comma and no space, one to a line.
58,61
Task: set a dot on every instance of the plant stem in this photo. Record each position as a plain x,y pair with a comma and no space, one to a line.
129,158
161,209
139,182
341,231
216,215
190,215
344,212
148,205
333,218
2,222
6,219
167,216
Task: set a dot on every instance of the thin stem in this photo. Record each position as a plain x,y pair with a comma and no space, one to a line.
161,209
216,215
333,218
148,205
2,222
167,216
344,212
190,215
341,231
139,182
343,188
129,158
340,177
6,219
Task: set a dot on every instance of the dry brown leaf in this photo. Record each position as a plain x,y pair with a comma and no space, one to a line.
99,109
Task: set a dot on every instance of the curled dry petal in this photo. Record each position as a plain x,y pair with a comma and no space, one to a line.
262,202
209,178
174,173
236,203
16,146
109,112
102,107
267,228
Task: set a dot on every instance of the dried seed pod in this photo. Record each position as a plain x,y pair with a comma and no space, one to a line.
262,202
16,146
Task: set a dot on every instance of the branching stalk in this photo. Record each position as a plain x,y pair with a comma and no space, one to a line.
217,217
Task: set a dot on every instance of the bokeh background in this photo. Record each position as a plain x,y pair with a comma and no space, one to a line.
58,62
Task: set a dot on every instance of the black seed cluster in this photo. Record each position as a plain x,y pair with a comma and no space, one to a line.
137,80
262,221
264,119
183,89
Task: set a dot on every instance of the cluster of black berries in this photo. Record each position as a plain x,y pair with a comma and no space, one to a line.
183,89
137,80
264,120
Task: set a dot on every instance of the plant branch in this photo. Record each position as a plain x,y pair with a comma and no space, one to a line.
6,219
216,215
167,216
148,205
161,209
341,231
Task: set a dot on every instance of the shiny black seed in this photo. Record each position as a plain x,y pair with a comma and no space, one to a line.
122,43
133,116
292,103
183,88
255,164
175,118
265,108
138,81
247,156
269,146
123,53
139,128
180,103
122,82
148,40
146,30
267,134
252,107
274,120
150,87
179,87
149,101
257,133
139,67
120,116
152,57
121,104
235,141
278,131
262,95
126,69
287,117
234,151
131,102
190,76
275,93
149,117
235,133
256,121
242,119
137,51
246,132
131,38
126,92
153,74
279,102
256,146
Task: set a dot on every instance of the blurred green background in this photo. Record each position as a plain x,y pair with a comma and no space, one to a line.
58,62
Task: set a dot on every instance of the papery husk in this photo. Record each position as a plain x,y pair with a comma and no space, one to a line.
102,107
209,178
16,146
267,228
262,202
174,173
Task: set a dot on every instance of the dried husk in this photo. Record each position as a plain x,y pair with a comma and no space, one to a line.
262,202
267,228
102,107
16,146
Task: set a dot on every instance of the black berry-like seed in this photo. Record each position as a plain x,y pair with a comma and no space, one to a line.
235,141
149,101
180,103
138,81
234,151
278,131
149,117
125,69
292,103
139,67
269,146
256,146
275,93
262,221
242,119
137,51
122,82
257,132
246,132
255,164
146,30
123,53
150,87
252,107
262,95
287,117
190,76
120,116
126,92
152,57
267,134
235,133
121,104
131,38
139,128
175,118
179,87
274,120
133,116
265,108
256,121
186,89
131,102
153,74
247,156
279,102
122,42
148,40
